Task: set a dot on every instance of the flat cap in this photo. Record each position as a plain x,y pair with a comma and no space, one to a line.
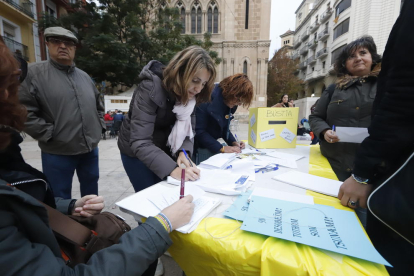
59,31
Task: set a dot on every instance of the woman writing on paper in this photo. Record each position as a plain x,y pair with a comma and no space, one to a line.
28,243
213,119
348,103
284,102
161,118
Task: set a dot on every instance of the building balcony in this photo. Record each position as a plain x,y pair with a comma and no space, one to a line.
295,55
322,36
311,60
314,27
303,64
313,44
305,35
304,50
17,48
296,43
311,76
24,6
322,53
326,15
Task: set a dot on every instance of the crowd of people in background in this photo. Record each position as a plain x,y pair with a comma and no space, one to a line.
57,104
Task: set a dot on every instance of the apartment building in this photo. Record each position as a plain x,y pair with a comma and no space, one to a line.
287,42
324,27
240,33
17,18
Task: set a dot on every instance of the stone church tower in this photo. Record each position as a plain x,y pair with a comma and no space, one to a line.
240,32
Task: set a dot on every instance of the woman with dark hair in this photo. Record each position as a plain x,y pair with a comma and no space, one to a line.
161,119
347,103
284,101
213,119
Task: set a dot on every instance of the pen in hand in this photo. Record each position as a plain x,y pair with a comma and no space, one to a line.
188,158
237,140
182,183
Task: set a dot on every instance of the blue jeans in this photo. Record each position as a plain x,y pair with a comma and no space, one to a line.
138,173
59,170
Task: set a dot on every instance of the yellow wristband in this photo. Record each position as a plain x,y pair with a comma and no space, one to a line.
222,150
163,223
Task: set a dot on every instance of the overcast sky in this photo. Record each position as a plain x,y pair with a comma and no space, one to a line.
282,18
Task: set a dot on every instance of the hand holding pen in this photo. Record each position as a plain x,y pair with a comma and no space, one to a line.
184,162
241,144
330,135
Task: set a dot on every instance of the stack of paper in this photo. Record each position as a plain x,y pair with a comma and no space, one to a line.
138,203
310,182
218,161
286,156
263,161
219,181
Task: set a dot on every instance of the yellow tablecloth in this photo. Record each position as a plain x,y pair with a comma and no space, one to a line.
245,253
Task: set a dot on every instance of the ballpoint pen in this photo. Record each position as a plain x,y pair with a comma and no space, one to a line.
182,183
186,156
237,140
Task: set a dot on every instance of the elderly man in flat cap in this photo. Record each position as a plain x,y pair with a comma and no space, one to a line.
65,115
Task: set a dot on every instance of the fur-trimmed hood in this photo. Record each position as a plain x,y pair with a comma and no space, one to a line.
347,80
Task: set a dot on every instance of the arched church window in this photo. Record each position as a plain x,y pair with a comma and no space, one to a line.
245,67
212,18
196,18
181,8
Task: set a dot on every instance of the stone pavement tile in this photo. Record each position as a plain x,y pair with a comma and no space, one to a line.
171,268
109,165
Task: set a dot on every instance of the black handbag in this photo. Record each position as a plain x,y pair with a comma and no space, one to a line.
392,201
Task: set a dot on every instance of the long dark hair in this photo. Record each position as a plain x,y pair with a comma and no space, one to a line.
281,100
12,113
362,42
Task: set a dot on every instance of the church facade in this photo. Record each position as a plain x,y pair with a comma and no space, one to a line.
240,33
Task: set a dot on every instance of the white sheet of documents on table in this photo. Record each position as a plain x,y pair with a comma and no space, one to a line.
151,201
262,159
310,182
217,181
351,134
286,156
218,161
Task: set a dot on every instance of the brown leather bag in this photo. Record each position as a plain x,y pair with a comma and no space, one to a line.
80,237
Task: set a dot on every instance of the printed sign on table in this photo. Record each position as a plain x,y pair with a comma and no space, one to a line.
267,135
287,135
315,225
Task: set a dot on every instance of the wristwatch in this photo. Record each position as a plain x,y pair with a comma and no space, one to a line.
360,179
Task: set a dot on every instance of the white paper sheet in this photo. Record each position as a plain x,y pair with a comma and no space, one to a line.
218,161
310,182
351,134
275,194
286,156
287,135
272,160
267,135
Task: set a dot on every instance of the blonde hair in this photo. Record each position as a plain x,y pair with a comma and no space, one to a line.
182,68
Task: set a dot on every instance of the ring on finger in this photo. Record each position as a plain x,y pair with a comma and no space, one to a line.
352,204
331,140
